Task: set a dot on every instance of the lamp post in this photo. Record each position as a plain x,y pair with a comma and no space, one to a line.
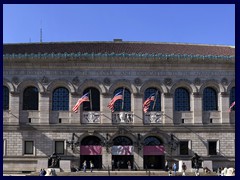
106,142
138,143
72,143
173,144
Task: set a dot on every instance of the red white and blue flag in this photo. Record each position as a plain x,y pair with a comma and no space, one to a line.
117,96
147,102
230,108
80,101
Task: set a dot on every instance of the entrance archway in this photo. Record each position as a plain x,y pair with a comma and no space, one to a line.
122,152
91,150
153,153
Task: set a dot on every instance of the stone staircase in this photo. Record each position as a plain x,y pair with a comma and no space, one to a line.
124,173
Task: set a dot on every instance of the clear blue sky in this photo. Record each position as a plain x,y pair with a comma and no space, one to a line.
196,24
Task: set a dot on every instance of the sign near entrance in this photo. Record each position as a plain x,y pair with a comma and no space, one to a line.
153,150
122,150
91,150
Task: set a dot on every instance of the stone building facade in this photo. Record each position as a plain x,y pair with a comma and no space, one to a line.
193,86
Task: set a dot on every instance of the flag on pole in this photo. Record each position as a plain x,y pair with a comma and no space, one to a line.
80,101
147,102
230,108
117,96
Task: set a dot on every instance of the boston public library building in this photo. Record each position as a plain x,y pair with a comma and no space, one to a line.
190,88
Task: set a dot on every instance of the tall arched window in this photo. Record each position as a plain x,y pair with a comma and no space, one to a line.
119,105
156,104
182,100
122,140
5,98
152,141
60,99
30,98
94,103
209,99
232,98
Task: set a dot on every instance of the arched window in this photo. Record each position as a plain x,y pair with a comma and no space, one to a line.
60,99
122,140
232,98
156,104
91,140
94,103
5,98
182,100
30,98
152,141
209,99
118,106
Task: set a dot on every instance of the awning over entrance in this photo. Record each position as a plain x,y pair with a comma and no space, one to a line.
122,150
153,150
91,150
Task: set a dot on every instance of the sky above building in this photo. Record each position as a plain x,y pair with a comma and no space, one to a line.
173,23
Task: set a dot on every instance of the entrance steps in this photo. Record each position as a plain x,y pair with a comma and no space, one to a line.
124,173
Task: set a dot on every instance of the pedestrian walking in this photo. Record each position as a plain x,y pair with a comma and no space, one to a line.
184,168
166,165
91,166
129,165
174,168
84,166
118,165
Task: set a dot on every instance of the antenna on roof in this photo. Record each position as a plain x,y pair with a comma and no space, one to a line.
29,39
41,32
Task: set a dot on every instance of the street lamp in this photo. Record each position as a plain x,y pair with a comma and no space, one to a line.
173,143
138,143
106,142
72,143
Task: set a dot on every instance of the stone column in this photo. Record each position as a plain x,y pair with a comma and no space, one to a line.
197,108
44,107
224,107
137,109
14,107
168,108
106,114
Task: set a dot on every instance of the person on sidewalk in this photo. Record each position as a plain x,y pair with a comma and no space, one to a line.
91,166
184,168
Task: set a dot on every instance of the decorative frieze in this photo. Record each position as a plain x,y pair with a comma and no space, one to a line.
91,117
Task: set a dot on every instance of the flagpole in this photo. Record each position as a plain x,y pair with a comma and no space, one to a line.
90,95
155,99
123,99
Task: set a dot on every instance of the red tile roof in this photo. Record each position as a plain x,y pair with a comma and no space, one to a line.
118,48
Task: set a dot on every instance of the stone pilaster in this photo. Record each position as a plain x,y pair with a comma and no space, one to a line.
224,101
137,109
106,117
14,110
75,117
44,107
168,108
197,108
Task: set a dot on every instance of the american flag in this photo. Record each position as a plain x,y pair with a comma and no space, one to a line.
114,99
80,101
230,108
147,102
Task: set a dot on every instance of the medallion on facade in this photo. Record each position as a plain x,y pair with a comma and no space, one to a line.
75,80
197,81
224,81
137,81
44,80
107,81
15,80
168,81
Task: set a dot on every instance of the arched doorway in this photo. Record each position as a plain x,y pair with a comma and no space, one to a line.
153,153
91,150
122,152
